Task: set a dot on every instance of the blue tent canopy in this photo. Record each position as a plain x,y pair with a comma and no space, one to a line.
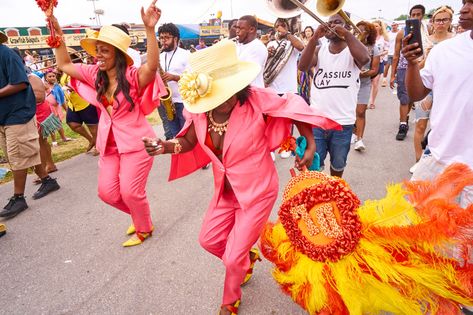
188,31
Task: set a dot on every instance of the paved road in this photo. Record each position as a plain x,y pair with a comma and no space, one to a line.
63,255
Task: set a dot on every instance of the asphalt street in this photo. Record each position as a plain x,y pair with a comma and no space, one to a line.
63,255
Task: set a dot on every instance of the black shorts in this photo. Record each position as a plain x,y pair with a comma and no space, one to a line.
87,116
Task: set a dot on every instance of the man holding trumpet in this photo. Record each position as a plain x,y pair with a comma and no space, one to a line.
335,85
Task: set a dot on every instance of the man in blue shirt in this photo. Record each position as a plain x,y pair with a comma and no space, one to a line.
18,131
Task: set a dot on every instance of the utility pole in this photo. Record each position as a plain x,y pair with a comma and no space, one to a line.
97,17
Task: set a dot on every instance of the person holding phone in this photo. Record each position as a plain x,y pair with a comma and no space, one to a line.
398,73
447,73
442,24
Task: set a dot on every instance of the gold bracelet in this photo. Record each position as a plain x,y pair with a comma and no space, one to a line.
177,146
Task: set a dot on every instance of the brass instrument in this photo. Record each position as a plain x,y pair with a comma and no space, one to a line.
290,8
166,101
277,61
332,7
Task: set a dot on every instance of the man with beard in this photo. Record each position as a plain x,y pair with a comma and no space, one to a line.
173,60
335,85
250,48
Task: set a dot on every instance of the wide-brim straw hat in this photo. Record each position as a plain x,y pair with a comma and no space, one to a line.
3,37
215,75
110,35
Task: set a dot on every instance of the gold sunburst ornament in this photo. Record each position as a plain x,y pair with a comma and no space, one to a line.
194,85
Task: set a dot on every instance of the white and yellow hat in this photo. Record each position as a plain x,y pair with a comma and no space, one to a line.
216,74
108,34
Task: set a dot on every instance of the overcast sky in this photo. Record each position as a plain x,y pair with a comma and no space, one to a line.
26,13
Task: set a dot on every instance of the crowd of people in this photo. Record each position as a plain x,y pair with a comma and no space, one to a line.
321,80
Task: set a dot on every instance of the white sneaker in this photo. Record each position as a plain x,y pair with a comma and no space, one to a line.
54,144
353,138
384,82
285,154
413,168
360,146
273,156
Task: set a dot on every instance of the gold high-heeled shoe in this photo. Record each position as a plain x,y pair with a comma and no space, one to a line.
131,230
232,308
256,257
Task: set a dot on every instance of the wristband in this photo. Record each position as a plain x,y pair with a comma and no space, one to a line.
177,146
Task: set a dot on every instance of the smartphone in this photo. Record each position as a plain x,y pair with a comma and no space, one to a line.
413,27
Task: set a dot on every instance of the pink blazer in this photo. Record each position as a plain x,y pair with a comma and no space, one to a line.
246,159
128,127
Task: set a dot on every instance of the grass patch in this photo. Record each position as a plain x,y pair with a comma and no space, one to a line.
67,150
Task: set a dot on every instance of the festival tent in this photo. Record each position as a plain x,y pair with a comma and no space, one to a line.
188,31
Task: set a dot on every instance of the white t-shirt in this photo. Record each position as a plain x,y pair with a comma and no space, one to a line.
392,43
335,85
255,51
286,80
135,55
175,62
451,118
382,45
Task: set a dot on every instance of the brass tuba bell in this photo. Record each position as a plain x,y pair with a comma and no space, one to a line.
291,8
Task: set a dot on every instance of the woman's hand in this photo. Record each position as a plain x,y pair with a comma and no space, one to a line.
306,161
55,24
151,16
153,146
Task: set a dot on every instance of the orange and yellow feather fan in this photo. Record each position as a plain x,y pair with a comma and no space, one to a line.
407,253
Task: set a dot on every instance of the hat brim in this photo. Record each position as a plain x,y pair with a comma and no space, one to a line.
224,88
3,38
89,45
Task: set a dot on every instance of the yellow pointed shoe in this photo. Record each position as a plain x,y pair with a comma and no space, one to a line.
256,257
131,230
137,239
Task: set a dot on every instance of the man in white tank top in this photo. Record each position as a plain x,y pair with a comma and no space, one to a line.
335,87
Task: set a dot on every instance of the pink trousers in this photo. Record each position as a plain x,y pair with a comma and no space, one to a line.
229,232
122,184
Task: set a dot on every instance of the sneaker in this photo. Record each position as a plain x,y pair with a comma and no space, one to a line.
285,154
14,206
3,229
360,146
384,83
354,138
54,144
402,133
413,168
273,156
48,185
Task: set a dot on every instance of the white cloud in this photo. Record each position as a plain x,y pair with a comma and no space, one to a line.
26,13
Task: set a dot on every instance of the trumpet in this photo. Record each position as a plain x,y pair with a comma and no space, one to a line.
291,8
166,101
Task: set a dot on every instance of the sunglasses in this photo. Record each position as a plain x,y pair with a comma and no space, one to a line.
442,21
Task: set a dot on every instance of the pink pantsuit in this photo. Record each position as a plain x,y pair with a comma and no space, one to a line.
234,219
124,164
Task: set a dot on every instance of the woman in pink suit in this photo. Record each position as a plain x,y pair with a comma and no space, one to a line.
125,95
235,127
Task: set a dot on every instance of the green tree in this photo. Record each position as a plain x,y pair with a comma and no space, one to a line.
401,17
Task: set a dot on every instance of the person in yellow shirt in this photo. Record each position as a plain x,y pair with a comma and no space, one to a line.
80,112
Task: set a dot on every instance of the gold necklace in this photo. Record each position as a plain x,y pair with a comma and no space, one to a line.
216,127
